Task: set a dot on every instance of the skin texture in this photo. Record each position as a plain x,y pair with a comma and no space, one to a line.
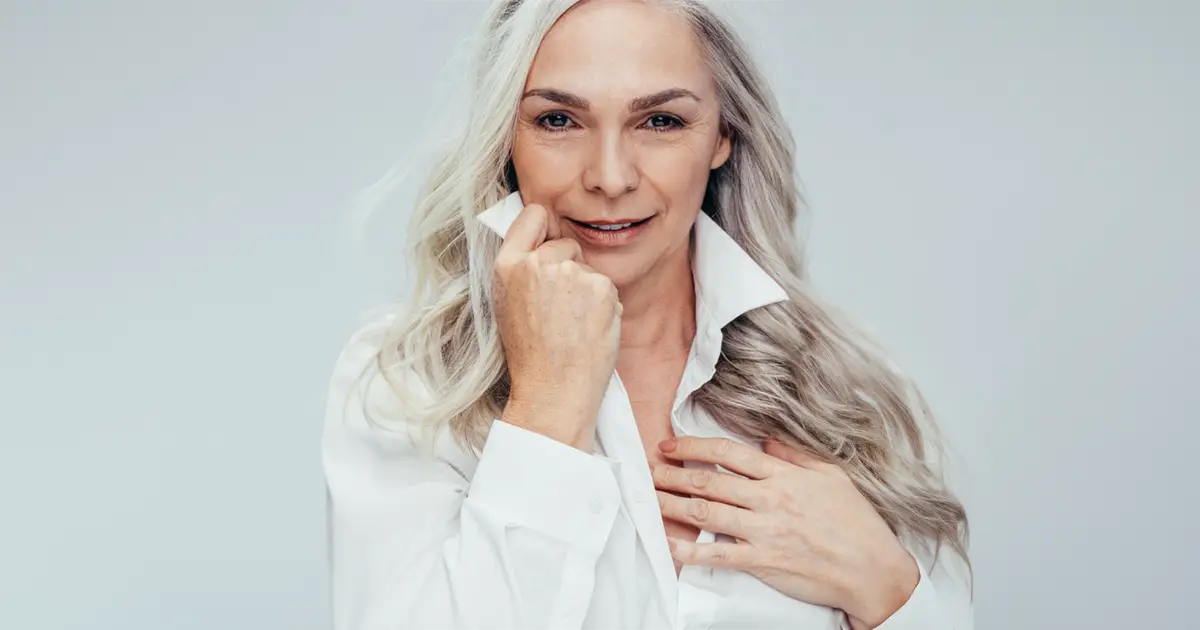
800,523
620,120
606,162
559,322
618,159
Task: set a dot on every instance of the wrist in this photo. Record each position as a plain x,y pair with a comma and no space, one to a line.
561,421
884,588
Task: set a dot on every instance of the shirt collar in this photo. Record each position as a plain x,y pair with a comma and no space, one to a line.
728,281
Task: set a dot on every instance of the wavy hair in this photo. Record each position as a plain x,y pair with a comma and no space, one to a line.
796,371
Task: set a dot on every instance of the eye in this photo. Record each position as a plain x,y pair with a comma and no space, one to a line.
664,122
554,122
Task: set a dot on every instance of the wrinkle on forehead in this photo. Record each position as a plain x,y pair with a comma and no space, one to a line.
620,49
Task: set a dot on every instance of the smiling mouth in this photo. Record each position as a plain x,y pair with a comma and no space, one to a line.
611,227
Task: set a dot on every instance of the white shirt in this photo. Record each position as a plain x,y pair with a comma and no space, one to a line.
533,533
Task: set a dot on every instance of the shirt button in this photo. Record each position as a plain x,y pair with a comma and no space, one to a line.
596,505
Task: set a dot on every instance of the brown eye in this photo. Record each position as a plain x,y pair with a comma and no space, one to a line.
554,121
664,122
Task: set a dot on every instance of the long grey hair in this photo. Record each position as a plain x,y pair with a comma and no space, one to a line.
796,371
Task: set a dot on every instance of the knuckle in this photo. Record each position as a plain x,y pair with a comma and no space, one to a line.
720,554
701,478
775,501
768,502
788,504
602,284
772,528
699,509
660,473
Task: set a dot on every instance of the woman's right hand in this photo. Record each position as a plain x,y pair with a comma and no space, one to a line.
560,324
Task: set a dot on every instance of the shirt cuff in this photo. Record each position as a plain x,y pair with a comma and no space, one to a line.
922,611
527,479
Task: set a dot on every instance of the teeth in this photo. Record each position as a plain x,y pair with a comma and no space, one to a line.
617,226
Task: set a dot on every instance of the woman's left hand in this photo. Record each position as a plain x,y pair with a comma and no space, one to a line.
801,526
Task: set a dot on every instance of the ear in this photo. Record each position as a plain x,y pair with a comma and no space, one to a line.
724,148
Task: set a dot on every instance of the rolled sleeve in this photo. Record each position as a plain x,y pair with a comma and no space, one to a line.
435,538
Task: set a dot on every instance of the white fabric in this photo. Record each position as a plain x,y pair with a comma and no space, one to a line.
537,534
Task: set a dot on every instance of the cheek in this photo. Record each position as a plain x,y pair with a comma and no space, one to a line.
680,172
543,165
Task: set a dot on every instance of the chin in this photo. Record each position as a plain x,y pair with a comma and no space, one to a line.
620,272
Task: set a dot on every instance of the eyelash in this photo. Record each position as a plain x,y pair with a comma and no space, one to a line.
675,122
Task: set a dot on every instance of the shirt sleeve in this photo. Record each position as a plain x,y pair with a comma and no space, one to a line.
417,541
942,599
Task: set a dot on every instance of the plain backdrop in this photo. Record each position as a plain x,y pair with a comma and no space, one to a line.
1005,192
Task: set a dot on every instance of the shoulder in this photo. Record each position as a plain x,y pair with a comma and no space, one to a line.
359,352
356,380
366,424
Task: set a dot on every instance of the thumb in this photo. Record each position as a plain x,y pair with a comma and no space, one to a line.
553,230
532,227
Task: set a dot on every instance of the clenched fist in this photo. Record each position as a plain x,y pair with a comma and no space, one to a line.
560,324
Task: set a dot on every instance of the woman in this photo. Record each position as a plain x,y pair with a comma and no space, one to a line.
615,402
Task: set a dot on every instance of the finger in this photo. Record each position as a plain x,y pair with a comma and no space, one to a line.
553,230
741,459
720,555
708,515
710,484
531,228
558,250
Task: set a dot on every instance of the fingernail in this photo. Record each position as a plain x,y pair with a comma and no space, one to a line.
667,445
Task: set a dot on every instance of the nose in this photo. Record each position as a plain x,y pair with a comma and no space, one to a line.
610,169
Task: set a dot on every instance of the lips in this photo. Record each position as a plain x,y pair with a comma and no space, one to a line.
610,233
611,226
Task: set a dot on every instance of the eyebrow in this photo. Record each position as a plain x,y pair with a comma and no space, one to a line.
638,104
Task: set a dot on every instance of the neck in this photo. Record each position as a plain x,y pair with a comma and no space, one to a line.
658,311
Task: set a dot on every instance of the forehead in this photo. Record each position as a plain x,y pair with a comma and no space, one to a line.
619,47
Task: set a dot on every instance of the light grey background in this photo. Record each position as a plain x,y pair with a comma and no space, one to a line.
1005,191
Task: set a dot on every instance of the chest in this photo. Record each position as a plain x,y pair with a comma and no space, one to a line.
651,397
721,599
651,384
631,590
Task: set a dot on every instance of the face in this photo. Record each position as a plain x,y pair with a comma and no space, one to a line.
619,124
